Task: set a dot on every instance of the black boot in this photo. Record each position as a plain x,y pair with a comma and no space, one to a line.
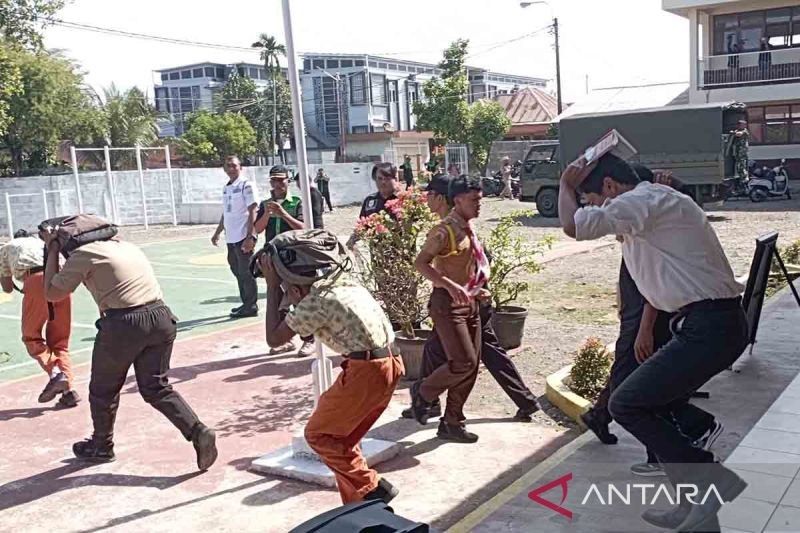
598,428
455,433
524,415
54,387
435,411
90,450
69,399
204,440
384,491
419,406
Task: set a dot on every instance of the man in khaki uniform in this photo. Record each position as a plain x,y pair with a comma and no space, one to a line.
135,328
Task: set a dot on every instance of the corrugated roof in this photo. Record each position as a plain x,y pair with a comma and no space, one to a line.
529,105
626,98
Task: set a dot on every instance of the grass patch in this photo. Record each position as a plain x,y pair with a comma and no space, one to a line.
577,302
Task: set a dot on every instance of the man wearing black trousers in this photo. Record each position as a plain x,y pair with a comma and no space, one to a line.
678,264
494,357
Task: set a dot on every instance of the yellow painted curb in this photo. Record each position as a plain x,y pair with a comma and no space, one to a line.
562,397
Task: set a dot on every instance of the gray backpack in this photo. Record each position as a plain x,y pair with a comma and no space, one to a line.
317,253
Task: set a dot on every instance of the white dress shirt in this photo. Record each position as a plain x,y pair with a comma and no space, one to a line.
670,249
237,197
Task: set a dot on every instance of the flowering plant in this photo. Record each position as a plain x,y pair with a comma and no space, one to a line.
394,237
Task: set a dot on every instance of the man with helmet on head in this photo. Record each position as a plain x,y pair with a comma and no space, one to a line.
310,268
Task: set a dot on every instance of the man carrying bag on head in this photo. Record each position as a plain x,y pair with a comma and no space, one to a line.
135,328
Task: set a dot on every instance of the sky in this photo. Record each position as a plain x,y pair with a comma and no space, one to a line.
613,42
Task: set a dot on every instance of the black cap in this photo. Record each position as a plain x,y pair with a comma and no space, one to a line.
279,171
439,184
463,184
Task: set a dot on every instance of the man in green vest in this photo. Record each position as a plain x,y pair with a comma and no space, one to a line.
282,212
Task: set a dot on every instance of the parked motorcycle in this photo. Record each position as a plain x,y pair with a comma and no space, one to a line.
762,183
493,186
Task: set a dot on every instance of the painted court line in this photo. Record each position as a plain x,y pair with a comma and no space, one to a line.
74,324
186,265
474,519
187,278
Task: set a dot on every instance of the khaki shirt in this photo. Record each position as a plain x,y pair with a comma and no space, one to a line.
116,273
343,315
20,255
452,253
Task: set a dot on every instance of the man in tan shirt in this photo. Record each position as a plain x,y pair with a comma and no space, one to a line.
454,261
135,328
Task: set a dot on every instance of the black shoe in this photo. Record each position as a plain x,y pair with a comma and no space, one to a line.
435,411
419,406
669,519
88,450
245,313
384,491
524,415
54,387
236,309
598,428
728,485
69,399
205,444
455,433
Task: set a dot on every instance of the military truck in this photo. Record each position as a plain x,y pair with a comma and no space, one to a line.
689,140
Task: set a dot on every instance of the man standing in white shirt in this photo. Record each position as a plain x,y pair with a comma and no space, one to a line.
678,264
239,204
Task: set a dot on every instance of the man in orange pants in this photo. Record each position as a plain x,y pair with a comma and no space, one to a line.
342,314
22,258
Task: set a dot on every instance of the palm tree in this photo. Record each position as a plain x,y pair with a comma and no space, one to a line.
271,50
131,119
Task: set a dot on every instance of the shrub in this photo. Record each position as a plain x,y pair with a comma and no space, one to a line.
591,368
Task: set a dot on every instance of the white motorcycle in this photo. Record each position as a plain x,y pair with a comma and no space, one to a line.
768,182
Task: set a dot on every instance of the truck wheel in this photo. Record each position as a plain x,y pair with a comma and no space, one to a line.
547,203
758,195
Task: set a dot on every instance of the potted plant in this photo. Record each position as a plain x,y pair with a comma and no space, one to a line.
394,238
511,257
589,372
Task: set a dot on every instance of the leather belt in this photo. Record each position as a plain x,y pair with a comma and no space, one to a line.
368,355
725,304
135,309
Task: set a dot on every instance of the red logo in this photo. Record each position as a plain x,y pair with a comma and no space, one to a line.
562,482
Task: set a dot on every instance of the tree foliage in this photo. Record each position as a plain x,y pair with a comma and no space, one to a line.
590,371
53,104
446,113
130,120
10,85
209,137
21,21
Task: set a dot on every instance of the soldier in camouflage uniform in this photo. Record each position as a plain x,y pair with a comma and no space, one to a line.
739,145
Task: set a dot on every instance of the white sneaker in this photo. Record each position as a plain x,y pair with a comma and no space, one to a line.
286,348
306,349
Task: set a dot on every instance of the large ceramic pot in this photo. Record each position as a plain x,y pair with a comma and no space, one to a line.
509,325
411,351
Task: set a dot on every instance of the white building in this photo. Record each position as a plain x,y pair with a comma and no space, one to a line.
727,63
357,94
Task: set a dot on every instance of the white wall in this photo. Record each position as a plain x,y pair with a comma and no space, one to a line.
755,94
197,191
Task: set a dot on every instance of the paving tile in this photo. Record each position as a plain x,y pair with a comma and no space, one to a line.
729,530
769,462
746,514
764,487
792,496
767,439
785,518
780,421
786,404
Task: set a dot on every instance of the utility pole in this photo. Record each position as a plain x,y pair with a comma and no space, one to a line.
558,65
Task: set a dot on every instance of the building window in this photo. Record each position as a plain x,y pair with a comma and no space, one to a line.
373,64
360,129
358,93
162,99
393,66
164,76
209,72
174,75
383,66
347,63
378,89
220,72
360,63
392,93
306,64
318,63
333,63
197,73
186,74
781,27
776,124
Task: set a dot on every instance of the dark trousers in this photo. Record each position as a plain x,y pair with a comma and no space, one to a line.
494,357
710,338
240,267
326,195
459,329
143,338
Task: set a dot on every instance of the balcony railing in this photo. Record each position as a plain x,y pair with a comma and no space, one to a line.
751,68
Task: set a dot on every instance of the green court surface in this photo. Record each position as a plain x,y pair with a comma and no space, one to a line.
197,285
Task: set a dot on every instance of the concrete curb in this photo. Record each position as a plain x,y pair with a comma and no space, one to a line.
562,397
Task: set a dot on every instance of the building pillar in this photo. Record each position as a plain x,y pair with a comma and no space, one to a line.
694,65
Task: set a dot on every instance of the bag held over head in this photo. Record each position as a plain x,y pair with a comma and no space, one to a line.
302,257
76,230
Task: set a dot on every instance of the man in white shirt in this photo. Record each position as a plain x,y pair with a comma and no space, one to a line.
678,264
239,205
